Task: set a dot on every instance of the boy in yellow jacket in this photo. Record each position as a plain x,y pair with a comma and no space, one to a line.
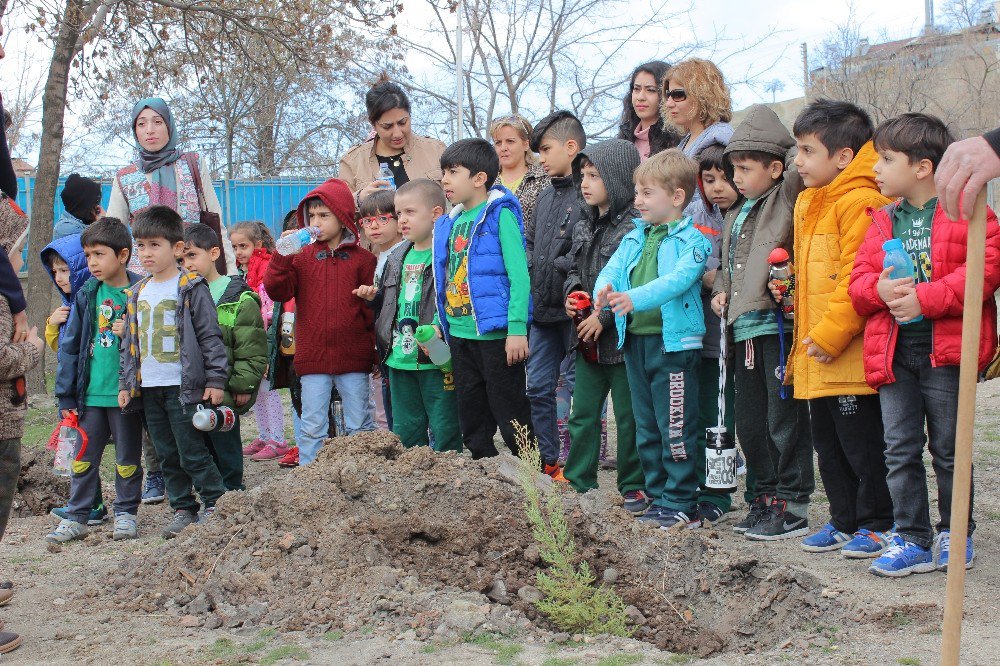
835,160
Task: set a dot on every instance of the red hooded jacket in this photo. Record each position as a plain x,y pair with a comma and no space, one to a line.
940,299
334,329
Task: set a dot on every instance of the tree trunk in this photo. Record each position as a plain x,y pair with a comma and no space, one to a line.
47,178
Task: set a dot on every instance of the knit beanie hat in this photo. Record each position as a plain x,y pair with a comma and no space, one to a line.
337,196
80,196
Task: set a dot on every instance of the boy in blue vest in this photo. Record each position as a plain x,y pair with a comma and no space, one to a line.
652,283
483,296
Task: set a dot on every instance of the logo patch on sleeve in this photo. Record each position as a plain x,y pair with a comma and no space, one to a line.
699,256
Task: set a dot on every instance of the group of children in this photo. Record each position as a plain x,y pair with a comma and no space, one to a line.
853,365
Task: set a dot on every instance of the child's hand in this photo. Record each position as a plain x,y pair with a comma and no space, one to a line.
20,327
118,328
437,332
570,305
719,303
905,308
590,328
240,399
366,292
123,399
66,412
212,395
601,298
775,292
814,350
620,302
890,290
33,338
59,315
517,348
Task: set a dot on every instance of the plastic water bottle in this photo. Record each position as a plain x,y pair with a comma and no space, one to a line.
69,438
897,258
339,425
781,271
293,243
584,308
385,173
437,349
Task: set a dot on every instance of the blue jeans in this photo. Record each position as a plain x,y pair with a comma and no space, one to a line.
548,345
354,392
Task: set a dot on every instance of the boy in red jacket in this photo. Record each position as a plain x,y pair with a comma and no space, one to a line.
334,329
913,335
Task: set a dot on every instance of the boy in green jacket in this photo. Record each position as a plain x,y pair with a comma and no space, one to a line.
245,339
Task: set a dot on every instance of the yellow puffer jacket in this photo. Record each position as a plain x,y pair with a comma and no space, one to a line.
830,223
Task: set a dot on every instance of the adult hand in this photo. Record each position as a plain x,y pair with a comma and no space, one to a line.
816,352
20,327
965,168
590,328
517,348
372,188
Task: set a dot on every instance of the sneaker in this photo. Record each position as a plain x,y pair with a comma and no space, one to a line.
97,515
942,547
60,512
253,447
866,544
777,524
758,508
271,451
290,459
828,538
556,472
68,530
672,518
207,513
709,513
636,502
901,558
126,526
182,518
155,491
652,515
741,464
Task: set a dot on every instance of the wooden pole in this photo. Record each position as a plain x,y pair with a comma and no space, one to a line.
975,261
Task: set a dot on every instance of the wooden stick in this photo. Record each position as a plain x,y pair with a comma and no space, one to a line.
975,261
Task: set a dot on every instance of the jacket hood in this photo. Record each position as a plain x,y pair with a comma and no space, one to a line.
616,160
716,133
68,224
497,194
337,196
70,250
235,289
761,131
858,174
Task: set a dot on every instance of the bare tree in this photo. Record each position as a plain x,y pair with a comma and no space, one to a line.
960,14
774,86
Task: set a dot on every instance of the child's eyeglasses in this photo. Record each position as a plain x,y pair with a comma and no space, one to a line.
377,220
677,94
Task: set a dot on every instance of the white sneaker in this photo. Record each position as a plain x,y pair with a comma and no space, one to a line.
68,530
126,526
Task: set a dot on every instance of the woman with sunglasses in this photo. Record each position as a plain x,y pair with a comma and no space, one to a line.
392,143
641,121
519,169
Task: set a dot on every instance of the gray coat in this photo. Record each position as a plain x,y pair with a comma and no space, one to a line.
386,302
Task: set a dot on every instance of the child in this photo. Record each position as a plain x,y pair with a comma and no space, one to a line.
253,246
834,160
655,274
913,336
87,385
243,334
422,393
281,352
605,173
483,296
773,429
716,187
81,199
173,359
334,329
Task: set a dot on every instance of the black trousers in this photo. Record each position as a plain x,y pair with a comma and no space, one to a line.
490,394
849,441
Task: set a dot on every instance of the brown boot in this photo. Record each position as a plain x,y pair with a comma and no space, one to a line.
6,594
8,641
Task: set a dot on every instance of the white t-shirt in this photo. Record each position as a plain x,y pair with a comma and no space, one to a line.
159,341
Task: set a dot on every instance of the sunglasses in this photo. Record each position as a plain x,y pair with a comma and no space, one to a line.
377,220
677,94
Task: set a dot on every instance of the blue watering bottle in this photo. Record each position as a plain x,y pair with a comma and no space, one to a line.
897,258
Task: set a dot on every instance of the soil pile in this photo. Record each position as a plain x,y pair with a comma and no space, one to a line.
372,538
38,489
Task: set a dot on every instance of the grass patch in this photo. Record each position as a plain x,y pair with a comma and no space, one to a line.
284,652
269,632
561,661
333,635
908,661
620,659
900,619
223,649
680,658
504,651
257,645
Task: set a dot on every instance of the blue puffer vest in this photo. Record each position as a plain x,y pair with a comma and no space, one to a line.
489,285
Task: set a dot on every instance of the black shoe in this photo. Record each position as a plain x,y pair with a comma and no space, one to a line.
758,507
709,513
636,502
778,524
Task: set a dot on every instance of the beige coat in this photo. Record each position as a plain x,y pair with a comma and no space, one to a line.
421,159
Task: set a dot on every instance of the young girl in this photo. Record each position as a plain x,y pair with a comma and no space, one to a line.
252,245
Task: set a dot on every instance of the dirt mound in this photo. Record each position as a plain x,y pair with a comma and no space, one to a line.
374,538
38,489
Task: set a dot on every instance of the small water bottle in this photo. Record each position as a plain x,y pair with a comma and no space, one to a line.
781,271
293,243
721,465
385,173
437,349
584,308
897,258
65,450
339,426
211,419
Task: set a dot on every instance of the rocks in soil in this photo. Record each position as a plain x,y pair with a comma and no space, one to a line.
38,489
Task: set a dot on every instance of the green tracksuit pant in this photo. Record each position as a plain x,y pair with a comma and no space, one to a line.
422,398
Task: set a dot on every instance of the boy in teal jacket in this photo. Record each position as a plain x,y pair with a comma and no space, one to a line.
652,283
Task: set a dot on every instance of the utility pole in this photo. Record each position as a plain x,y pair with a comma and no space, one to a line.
805,71
458,73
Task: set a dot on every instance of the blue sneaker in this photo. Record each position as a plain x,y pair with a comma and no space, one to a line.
155,491
902,558
97,515
60,512
866,544
672,518
942,547
828,538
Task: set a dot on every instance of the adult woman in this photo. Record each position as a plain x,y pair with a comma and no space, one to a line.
519,169
641,121
407,155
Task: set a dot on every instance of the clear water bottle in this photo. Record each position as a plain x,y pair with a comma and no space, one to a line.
897,258
293,243
385,173
437,349
339,426
69,439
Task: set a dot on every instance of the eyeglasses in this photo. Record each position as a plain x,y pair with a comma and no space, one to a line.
677,94
377,220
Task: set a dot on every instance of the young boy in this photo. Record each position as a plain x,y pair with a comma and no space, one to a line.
67,266
81,199
87,385
913,336
244,337
655,275
173,359
334,329
422,393
605,173
549,234
483,296
773,429
835,159
717,187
